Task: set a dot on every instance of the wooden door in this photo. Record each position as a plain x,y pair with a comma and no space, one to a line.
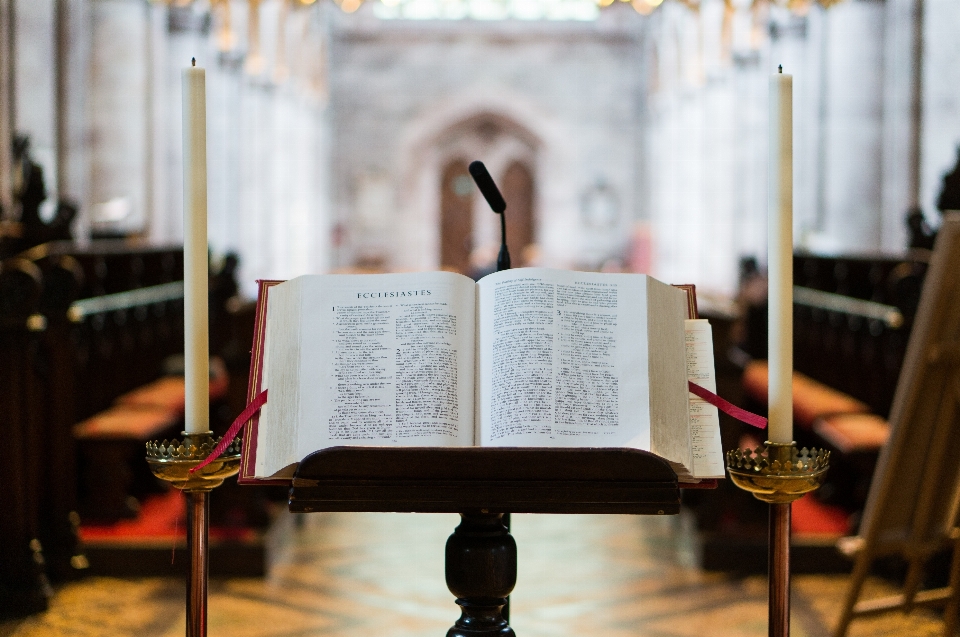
456,216
518,192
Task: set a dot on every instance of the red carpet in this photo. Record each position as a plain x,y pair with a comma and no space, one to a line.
162,517
811,517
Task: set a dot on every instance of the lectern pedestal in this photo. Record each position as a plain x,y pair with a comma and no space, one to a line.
481,484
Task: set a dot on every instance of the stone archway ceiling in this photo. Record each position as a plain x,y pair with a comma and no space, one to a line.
578,10
647,7
538,9
581,10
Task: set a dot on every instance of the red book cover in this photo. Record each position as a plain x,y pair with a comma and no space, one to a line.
248,452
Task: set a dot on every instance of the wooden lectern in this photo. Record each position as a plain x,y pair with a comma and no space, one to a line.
483,484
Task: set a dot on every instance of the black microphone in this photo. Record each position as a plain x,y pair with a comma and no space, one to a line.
492,194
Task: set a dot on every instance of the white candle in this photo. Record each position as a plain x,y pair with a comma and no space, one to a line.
780,259
196,341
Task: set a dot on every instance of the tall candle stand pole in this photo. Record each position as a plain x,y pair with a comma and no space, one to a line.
172,461
778,474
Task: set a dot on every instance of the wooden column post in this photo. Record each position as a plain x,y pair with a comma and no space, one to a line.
481,570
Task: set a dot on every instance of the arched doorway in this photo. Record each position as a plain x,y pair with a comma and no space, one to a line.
518,191
456,217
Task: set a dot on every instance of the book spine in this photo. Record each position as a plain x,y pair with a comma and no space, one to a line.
248,450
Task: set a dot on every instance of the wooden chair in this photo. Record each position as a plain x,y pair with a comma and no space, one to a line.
912,507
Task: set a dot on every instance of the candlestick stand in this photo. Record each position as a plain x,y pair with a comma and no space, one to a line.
172,461
778,474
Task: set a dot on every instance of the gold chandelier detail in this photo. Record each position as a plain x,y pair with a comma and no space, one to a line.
186,3
646,7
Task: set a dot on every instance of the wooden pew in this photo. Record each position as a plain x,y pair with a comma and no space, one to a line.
113,476
114,313
59,520
84,336
852,319
121,342
23,583
851,333
848,350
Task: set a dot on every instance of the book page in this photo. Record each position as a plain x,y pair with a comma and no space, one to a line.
562,359
397,362
386,360
704,417
667,308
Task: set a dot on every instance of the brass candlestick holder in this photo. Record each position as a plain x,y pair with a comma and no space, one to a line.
778,474
172,461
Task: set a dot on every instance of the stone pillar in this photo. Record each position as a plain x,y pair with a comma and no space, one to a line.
160,140
6,110
257,130
35,87
184,39
940,135
118,107
853,121
749,187
707,203
901,118
265,140
304,213
73,139
798,44
224,151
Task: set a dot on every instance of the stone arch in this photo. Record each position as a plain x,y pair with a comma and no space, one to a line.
502,132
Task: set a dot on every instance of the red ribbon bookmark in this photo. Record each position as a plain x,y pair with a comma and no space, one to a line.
728,408
234,429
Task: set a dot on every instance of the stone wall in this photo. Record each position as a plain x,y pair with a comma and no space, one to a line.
328,131
853,71
406,97
96,85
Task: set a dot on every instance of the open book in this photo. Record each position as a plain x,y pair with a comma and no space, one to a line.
523,358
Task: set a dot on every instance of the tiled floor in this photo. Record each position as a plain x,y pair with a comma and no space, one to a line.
365,575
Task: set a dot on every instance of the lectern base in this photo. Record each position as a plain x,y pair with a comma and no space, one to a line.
481,570
481,484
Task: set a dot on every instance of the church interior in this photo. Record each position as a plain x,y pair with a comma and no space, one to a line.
626,136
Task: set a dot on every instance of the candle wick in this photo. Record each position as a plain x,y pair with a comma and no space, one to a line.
781,68
193,62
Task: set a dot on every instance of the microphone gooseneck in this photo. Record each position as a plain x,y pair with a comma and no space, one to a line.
503,257
492,194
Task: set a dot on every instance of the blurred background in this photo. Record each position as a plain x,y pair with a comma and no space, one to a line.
625,136
633,133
